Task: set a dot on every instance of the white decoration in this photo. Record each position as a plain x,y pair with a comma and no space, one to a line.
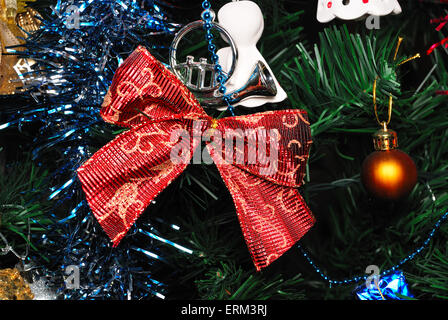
327,10
41,291
244,22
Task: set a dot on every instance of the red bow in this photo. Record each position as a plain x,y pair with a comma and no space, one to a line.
122,178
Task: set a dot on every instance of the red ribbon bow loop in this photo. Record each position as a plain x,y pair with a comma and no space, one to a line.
261,173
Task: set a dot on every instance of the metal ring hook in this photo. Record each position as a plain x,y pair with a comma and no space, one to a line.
382,123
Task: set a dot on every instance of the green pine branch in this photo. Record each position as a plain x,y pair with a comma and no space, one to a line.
22,212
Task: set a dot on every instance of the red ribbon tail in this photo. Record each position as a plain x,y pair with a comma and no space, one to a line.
273,217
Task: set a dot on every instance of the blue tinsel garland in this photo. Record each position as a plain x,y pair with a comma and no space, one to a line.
72,72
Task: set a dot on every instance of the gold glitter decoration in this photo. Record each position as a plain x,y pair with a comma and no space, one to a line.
13,287
28,20
15,21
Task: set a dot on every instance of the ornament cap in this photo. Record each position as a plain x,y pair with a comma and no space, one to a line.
385,139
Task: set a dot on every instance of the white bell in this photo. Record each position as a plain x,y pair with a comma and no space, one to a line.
327,10
244,22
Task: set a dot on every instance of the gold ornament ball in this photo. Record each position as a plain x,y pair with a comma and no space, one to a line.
388,173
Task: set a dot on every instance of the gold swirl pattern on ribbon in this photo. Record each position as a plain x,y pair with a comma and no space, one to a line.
164,169
149,88
281,196
137,139
287,124
125,197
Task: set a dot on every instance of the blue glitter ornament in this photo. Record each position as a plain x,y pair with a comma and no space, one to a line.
389,287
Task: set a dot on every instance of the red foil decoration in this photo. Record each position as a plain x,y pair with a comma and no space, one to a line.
442,22
123,177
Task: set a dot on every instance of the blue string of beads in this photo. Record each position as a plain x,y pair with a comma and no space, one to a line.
221,78
364,277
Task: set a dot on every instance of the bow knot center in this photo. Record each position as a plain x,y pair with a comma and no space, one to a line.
214,123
